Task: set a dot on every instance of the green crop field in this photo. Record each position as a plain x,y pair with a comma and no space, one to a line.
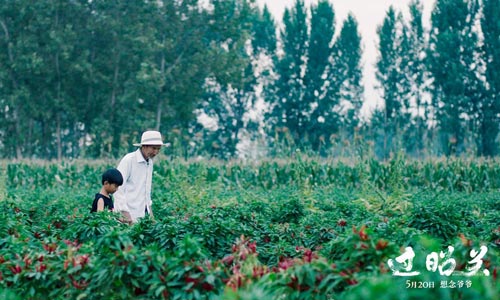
279,229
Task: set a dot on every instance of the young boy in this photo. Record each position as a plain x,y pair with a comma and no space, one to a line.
111,180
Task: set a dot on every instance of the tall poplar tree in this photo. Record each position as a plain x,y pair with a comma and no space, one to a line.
392,81
230,89
454,67
175,66
117,53
490,116
289,111
347,76
303,107
263,31
16,45
43,66
414,67
54,97
322,122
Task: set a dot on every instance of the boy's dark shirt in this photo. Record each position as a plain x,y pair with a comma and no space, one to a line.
108,203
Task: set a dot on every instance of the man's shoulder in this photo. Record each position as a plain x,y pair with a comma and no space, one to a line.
130,156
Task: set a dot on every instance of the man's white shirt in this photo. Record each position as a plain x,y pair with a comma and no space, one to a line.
134,195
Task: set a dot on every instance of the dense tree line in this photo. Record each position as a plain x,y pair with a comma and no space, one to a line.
222,78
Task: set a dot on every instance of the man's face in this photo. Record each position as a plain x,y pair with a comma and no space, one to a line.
150,151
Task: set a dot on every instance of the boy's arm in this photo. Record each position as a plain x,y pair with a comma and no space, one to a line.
100,204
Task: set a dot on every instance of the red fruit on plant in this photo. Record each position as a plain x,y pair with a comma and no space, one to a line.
285,263
236,269
466,242
83,260
253,247
78,284
259,271
309,255
190,279
51,248
362,233
27,262
342,223
207,286
319,278
139,291
487,263
461,267
40,268
381,244
382,268
2,259
293,284
16,269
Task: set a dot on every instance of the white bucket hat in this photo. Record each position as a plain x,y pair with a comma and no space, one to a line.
151,138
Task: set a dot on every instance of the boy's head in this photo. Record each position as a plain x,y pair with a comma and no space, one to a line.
112,176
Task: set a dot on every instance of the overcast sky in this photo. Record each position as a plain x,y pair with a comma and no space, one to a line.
369,14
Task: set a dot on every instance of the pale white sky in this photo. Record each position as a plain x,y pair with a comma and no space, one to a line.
369,14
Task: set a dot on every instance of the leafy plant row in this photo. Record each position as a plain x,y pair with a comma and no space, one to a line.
229,237
114,261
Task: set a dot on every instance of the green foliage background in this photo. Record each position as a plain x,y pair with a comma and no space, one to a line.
224,79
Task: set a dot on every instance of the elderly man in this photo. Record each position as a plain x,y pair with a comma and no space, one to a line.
133,198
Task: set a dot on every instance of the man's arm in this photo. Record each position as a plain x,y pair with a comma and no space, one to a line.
119,196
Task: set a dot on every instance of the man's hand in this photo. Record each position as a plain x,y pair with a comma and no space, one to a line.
126,217
150,211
